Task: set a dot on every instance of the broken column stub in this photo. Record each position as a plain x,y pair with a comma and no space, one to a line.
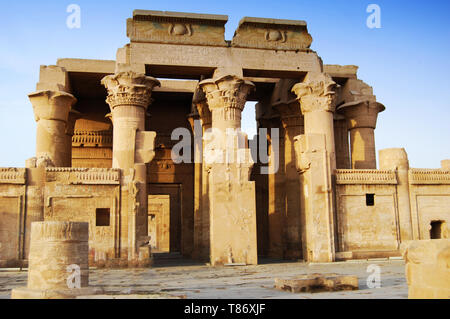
51,112
313,165
232,205
58,261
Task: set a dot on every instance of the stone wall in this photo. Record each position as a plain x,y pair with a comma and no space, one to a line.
87,195
12,201
369,218
365,225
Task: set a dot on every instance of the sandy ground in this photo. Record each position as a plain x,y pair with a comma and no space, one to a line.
178,278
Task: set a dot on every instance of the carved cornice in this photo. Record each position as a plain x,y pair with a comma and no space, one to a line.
316,93
365,176
73,175
12,175
92,138
227,92
429,176
129,88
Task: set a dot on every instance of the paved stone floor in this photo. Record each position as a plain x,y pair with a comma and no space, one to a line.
177,278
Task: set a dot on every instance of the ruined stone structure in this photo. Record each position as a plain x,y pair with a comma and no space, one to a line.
427,268
105,152
58,262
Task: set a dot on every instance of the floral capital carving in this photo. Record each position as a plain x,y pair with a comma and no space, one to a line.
316,93
129,88
228,91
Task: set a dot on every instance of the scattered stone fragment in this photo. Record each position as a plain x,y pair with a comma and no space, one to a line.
317,283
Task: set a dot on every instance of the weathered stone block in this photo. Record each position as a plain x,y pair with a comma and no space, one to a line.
177,27
317,283
272,34
427,268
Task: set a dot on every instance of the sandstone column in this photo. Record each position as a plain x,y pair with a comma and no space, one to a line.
316,162
361,121
313,164
293,125
341,141
396,159
201,226
58,261
231,195
129,95
51,112
73,116
316,97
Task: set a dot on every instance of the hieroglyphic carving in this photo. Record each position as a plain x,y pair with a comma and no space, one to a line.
365,176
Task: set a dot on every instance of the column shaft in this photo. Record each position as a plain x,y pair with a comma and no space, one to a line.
362,141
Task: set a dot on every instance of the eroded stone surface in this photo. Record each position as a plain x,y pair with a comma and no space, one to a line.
317,282
427,268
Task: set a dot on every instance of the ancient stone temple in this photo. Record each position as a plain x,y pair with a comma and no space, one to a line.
139,148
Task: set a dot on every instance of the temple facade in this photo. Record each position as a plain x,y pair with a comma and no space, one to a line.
307,187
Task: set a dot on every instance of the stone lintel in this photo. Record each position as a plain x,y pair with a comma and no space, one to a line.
177,27
87,65
273,34
341,71
177,86
53,77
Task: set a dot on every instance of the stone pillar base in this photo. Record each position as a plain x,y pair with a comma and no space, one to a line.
26,293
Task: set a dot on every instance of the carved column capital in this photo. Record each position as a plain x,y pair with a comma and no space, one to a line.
360,106
316,93
200,104
361,114
52,105
129,88
227,94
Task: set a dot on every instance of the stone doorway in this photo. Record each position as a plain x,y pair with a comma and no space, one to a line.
164,217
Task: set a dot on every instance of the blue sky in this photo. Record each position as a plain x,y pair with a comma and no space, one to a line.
407,60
